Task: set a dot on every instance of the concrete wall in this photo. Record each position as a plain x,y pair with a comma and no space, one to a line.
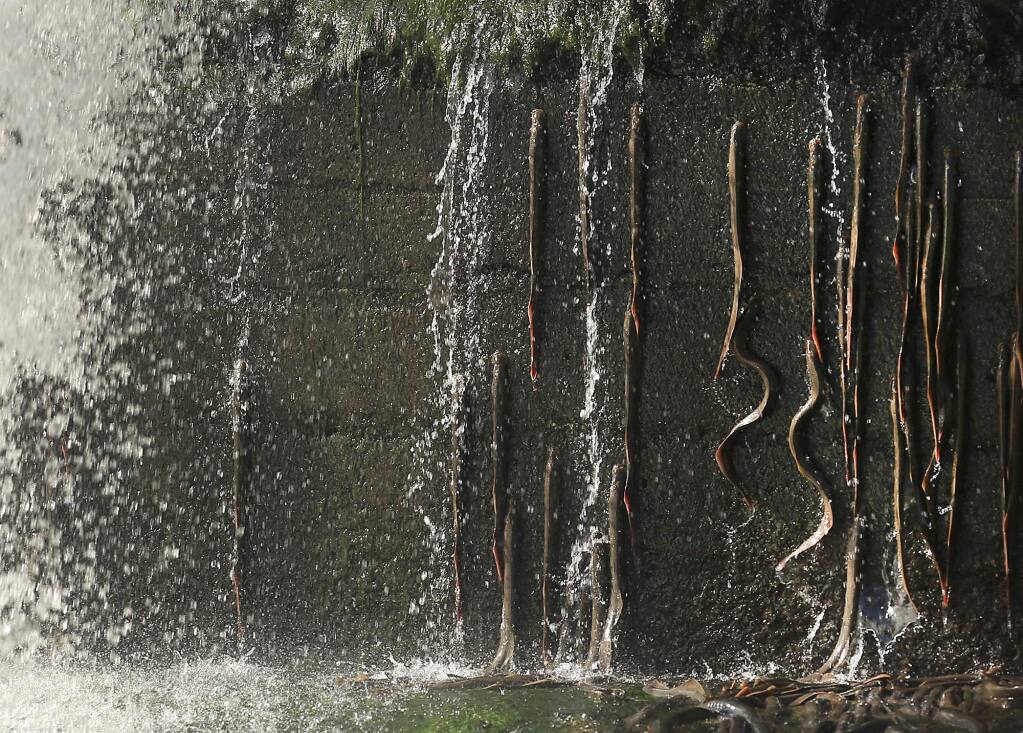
337,553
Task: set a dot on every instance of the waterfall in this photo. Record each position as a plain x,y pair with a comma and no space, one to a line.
600,30
463,234
66,66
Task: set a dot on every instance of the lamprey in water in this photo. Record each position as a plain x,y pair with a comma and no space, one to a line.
947,277
848,317
928,317
629,337
1015,410
905,138
813,195
498,496
635,204
239,478
736,709
616,603
506,640
841,649
598,598
927,297
850,367
957,451
905,252
900,544
856,224
1017,200
536,174
723,454
827,516
1003,395
736,165
549,519
457,423
920,199
584,190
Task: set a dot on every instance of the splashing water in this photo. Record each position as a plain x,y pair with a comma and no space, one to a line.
463,231
600,32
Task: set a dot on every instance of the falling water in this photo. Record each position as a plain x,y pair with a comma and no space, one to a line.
65,67
464,235
600,32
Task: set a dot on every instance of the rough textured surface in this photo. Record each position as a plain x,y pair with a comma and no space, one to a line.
340,552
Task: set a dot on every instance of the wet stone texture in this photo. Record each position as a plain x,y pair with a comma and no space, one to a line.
347,545
350,505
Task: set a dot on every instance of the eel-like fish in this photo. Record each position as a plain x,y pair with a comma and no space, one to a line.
548,549
736,165
827,515
505,656
900,545
536,172
841,649
239,409
635,222
813,194
927,314
497,417
960,438
456,510
856,224
615,604
722,454
584,189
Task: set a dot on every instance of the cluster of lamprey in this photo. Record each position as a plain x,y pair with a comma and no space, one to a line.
928,419
607,599
928,415
1010,411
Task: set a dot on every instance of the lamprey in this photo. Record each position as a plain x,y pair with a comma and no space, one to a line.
947,276
598,599
1017,199
723,454
497,417
536,174
1004,394
813,195
920,200
841,649
962,355
900,543
584,190
457,425
629,336
506,640
616,602
735,709
635,204
1013,463
736,165
827,515
239,479
927,316
905,135
845,284
856,224
549,518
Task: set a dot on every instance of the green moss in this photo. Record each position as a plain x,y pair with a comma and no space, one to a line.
561,708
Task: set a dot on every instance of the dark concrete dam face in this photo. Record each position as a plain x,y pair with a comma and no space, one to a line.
629,352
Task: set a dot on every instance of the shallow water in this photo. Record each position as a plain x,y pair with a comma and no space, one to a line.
232,695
